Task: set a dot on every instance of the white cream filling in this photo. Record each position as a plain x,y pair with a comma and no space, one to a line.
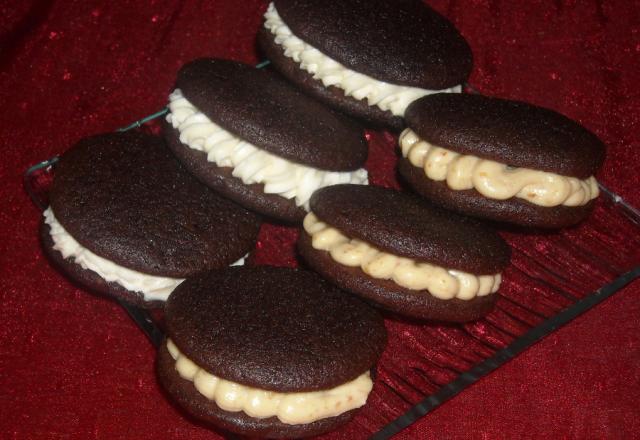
152,287
251,164
392,97
406,272
290,408
493,179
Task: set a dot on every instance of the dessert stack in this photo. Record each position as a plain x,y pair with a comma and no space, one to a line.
164,222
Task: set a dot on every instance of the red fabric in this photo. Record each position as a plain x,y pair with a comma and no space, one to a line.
74,366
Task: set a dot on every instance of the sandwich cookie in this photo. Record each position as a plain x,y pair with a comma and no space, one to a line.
256,140
503,160
128,221
368,58
269,352
404,255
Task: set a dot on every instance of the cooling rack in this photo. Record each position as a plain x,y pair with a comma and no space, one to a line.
553,278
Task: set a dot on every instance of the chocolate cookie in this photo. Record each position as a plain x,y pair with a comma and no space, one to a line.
127,220
267,351
252,137
369,58
499,159
403,254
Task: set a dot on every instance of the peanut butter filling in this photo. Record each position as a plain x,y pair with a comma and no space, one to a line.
493,179
294,408
411,274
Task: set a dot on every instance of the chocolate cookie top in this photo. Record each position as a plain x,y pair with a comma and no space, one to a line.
511,132
274,328
401,42
404,225
124,197
261,108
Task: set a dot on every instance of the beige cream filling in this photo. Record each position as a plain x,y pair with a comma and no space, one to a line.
389,97
152,287
250,163
290,408
438,281
493,179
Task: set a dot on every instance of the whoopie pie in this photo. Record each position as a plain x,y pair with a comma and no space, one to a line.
403,254
503,160
252,137
128,221
269,352
369,58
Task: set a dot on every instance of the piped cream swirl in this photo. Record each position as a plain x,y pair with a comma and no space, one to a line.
251,164
438,281
392,97
290,408
493,179
152,287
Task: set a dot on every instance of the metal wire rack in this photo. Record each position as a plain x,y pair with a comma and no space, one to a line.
554,277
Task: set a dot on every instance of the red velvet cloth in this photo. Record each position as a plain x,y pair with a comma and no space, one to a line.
74,366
